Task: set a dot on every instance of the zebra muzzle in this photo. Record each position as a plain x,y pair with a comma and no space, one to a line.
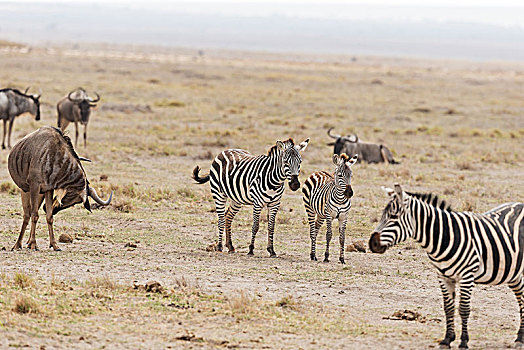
374,244
294,184
348,193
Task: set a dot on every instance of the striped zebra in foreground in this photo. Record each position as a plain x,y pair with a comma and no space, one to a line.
326,197
252,180
466,248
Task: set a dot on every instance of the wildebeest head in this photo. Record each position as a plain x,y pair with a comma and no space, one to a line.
80,98
396,223
291,160
65,198
36,103
341,140
343,173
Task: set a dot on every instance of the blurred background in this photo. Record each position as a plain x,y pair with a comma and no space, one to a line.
473,30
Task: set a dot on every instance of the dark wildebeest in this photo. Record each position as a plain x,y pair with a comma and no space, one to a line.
14,103
369,152
74,108
45,165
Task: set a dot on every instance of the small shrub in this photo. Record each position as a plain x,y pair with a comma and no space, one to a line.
287,302
7,187
24,304
243,304
23,281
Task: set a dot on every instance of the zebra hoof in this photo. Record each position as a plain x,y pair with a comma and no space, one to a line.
313,257
463,345
326,260
272,255
231,250
250,253
271,252
342,261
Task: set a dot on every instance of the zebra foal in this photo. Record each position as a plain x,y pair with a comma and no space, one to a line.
326,197
252,180
466,248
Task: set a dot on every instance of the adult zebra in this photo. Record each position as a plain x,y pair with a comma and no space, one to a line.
327,197
466,248
252,180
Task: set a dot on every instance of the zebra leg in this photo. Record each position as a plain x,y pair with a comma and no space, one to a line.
342,221
256,223
230,214
329,234
220,205
518,288
448,293
466,286
312,231
272,211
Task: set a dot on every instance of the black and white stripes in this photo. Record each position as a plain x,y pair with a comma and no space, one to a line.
252,180
327,197
466,248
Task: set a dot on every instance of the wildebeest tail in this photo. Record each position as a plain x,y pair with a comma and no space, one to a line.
387,155
197,178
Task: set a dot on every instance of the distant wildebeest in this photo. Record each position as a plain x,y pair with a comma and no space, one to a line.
44,165
74,108
327,197
369,152
465,248
14,103
252,180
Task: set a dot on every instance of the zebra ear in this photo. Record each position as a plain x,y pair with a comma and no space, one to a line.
389,191
398,191
281,145
353,160
336,158
303,145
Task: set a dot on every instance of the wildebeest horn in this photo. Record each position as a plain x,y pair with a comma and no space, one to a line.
333,136
84,159
92,193
74,100
95,100
39,94
26,90
353,138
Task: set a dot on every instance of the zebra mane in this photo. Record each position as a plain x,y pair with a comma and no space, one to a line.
431,199
67,139
275,147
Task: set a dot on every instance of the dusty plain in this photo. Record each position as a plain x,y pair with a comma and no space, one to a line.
457,128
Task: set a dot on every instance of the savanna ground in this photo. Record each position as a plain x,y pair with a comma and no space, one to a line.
456,127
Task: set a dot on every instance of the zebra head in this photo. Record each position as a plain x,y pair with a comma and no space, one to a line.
396,224
343,173
291,160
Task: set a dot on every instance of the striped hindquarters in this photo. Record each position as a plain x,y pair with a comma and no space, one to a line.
232,173
314,191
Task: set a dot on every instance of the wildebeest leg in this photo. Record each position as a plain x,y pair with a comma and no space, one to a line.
11,121
36,202
85,135
49,218
329,234
5,130
26,205
271,217
254,229
63,124
230,214
76,134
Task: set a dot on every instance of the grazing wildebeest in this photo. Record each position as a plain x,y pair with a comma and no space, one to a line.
75,107
14,103
369,152
252,180
45,165
465,248
327,197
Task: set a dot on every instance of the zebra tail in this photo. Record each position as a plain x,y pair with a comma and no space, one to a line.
197,178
